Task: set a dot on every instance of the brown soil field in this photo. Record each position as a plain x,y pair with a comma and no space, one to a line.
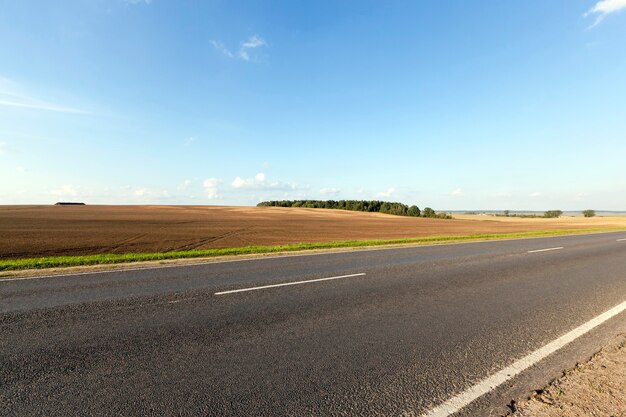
30,231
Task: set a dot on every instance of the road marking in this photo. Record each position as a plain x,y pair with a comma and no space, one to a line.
620,240
544,250
289,283
463,399
182,299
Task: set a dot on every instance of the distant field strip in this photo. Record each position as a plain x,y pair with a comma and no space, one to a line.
102,259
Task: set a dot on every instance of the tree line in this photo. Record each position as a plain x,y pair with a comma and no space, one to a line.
371,206
550,214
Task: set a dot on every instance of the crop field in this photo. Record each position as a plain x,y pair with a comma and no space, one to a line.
36,231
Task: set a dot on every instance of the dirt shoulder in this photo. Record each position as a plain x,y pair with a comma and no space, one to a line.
595,388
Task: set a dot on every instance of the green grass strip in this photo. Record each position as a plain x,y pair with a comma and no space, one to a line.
67,261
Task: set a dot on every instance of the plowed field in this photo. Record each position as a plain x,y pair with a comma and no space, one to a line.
29,231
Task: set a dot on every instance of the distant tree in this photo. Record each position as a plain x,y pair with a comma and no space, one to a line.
414,211
428,212
373,206
506,213
589,213
552,214
443,215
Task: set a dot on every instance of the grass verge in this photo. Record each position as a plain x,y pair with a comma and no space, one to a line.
103,259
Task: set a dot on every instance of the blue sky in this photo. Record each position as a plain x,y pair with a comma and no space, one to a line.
451,104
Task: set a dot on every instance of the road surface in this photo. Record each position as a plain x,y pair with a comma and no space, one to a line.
390,332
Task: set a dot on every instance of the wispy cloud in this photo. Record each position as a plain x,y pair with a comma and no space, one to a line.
605,7
458,193
253,42
535,194
386,194
12,96
219,46
3,148
190,141
29,103
211,188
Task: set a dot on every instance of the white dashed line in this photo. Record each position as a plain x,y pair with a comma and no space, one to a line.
545,250
456,403
289,283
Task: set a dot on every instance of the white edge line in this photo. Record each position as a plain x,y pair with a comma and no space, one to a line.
545,250
269,256
620,240
463,399
289,283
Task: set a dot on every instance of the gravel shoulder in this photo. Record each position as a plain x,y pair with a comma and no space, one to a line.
595,388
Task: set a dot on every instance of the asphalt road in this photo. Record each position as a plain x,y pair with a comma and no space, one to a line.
407,329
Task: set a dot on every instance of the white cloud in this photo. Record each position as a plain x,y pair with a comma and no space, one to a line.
535,194
259,182
21,170
211,188
387,193
604,8
148,193
259,179
253,42
219,46
3,148
330,191
190,141
184,185
128,193
66,190
458,192
138,1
